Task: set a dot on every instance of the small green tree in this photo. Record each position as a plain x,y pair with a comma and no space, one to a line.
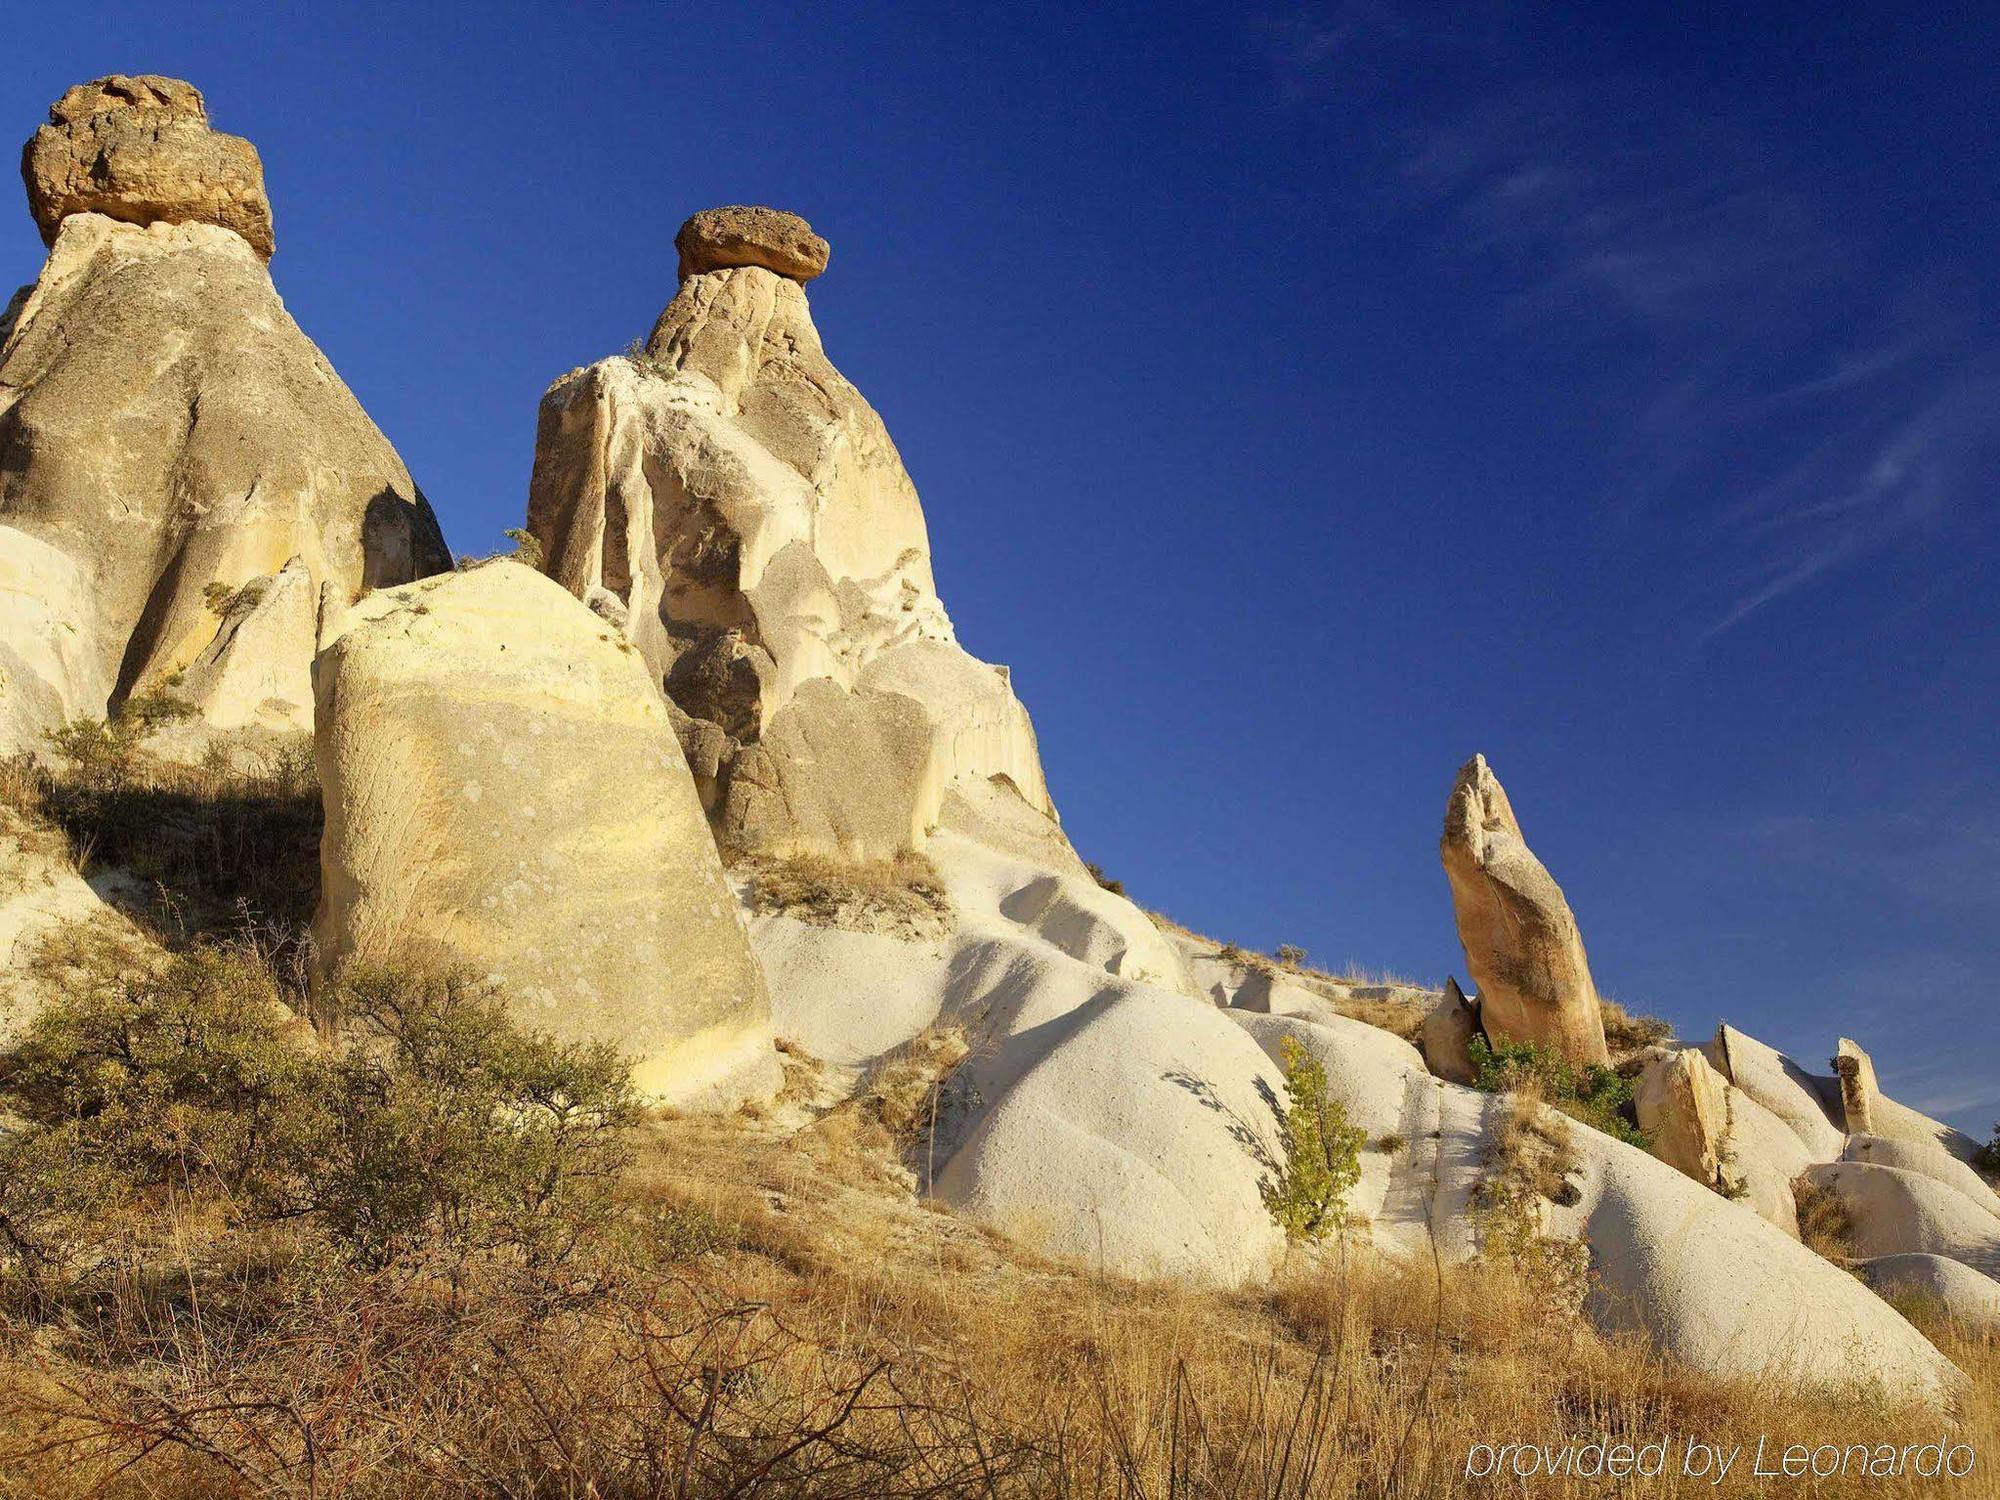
1322,1162
1987,1157
186,1073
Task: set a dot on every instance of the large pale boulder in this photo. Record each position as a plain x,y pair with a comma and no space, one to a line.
1803,1101
1946,1285
140,150
1683,1105
168,436
719,239
1720,1289
504,792
1893,1211
1521,942
739,507
1133,1135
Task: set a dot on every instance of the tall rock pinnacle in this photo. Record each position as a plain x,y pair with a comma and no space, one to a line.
738,506
169,439
1521,942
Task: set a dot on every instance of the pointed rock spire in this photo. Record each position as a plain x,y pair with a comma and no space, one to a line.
1521,942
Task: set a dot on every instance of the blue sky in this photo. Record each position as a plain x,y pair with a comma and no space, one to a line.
1302,399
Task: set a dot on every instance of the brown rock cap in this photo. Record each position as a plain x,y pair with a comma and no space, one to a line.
717,238
139,149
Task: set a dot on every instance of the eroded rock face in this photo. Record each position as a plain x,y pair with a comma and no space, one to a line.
1521,942
140,150
1858,1089
168,436
1683,1105
1449,1028
718,239
504,791
745,508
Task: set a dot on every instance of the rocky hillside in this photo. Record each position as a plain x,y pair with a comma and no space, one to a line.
627,1018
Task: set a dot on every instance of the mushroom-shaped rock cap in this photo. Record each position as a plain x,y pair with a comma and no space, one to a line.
718,238
139,149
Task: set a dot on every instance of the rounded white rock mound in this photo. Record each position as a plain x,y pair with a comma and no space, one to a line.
504,792
1893,1211
1926,1159
1135,1139
1711,1282
1947,1285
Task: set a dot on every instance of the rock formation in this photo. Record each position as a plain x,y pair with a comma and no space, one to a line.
139,150
1946,1285
1521,943
1683,1105
1448,1032
717,239
504,792
1856,1072
168,436
738,505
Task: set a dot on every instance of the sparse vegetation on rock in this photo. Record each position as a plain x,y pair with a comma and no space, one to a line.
1593,1094
903,896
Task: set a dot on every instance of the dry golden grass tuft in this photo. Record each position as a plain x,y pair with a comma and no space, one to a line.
902,897
1626,1034
1824,1225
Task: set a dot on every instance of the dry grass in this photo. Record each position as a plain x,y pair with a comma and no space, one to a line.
902,897
824,1335
215,849
1626,1034
1824,1225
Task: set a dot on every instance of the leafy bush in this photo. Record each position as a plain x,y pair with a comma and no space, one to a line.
450,1127
1322,1152
100,751
439,1129
1987,1157
1291,956
1116,887
175,1077
1596,1095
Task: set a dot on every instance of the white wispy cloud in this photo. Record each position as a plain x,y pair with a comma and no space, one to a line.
1620,211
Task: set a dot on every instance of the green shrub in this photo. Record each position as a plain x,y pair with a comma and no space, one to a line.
438,1131
453,1129
1987,1157
100,751
1596,1095
64,1206
1291,956
1322,1152
179,1076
